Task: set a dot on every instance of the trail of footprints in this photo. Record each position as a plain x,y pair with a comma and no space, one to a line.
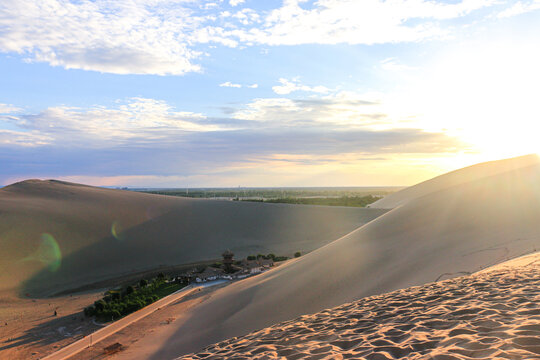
493,315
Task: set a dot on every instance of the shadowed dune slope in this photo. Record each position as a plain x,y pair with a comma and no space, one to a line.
98,233
448,233
454,178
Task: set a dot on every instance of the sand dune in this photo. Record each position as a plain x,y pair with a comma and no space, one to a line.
448,233
492,314
102,233
454,178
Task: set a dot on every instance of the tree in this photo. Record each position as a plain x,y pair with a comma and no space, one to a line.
271,256
130,290
161,276
251,257
297,254
143,283
100,305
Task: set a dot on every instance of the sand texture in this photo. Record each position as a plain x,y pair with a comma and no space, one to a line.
452,232
103,233
489,315
454,178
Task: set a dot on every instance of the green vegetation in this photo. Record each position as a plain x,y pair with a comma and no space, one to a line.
353,201
352,196
297,254
269,256
118,303
262,194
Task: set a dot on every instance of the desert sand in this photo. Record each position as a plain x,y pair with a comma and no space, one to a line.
59,236
454,178
29,329
488,315
455,231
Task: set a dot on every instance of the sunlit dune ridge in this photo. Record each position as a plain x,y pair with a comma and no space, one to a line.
454,178
492,314
446,233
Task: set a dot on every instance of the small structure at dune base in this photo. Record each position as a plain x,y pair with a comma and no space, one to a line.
229,269
113,349
228,261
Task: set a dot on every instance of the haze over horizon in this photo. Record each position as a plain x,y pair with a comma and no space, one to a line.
268,94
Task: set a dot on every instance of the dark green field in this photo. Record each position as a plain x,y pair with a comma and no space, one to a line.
354,201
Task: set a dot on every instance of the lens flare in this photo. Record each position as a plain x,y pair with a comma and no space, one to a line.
116,231
47,253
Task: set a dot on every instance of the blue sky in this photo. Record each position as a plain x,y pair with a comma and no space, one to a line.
273,93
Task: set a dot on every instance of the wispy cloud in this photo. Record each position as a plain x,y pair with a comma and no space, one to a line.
236,2
393,64
122,37
289,86
233,85
521,7
343,108
138,120
8,109
25,139
354,22
163,37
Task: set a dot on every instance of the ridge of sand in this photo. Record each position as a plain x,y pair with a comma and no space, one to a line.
452,232
104,233
491,314
454,178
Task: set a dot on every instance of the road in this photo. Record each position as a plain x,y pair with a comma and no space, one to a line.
118,325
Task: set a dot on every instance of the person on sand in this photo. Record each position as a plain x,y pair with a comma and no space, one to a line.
55,313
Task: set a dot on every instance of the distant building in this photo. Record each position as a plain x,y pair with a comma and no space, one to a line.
228,261
208,274
257,266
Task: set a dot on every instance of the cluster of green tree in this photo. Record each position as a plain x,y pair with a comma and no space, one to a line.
353,201
272,256
118,303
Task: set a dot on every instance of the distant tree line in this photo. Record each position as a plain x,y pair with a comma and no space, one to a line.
271,256
352,201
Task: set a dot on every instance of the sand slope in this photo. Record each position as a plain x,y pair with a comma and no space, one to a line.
151,230
493,314
454,178
444,234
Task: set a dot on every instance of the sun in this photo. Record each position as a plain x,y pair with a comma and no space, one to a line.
485,95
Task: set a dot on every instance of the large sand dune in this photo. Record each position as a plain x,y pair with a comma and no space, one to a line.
489,315
443,234
454,178
100,233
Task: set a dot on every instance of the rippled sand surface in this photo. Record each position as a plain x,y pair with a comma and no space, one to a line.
492,314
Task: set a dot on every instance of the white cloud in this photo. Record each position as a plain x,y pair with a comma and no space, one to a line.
354,22
161,36
346,109
8,109
230,84
393,64
521,7
288,86
233,85
122,37
137,119
21,138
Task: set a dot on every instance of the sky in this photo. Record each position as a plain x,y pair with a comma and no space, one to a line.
227,93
